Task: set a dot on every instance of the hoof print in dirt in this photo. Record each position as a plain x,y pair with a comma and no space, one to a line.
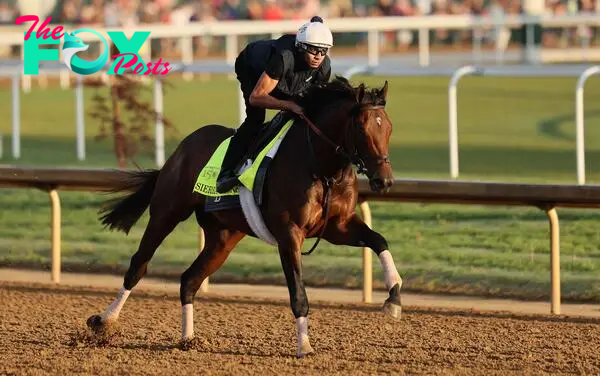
83,338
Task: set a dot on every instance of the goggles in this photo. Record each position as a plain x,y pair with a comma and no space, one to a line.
313,50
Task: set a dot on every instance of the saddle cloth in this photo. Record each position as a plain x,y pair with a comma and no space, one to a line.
252,176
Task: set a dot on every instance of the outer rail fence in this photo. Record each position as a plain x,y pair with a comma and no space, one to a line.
582,72
544,196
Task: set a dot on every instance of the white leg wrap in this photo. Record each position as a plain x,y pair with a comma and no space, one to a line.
187,321
301,328
113,310
302,334
389,270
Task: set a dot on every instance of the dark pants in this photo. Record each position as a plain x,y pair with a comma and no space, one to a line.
255,117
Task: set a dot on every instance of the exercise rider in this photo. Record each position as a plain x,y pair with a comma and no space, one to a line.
270,72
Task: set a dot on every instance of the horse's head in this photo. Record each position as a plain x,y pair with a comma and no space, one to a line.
356,123
373,129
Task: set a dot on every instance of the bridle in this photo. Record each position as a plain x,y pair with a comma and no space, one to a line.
353,158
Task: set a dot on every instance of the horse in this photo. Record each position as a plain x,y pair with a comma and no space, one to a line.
310,191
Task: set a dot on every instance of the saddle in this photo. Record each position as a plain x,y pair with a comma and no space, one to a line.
269,130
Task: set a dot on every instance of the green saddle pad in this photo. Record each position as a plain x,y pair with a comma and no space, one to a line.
206,183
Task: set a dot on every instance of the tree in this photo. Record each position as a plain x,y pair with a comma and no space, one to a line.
130,133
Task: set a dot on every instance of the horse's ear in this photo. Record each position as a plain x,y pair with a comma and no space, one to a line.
383,91
360,93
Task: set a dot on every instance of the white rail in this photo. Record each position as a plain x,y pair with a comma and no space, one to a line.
79,122
579,119
159,126
581,71
453,116
16,117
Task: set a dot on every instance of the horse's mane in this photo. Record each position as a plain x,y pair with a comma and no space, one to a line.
318,97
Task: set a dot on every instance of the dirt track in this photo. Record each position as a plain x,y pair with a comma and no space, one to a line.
42,332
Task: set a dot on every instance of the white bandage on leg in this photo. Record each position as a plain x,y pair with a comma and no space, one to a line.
390,272
187,321
113,310
302,334
301,327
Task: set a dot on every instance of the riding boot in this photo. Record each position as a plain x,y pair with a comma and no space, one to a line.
228,178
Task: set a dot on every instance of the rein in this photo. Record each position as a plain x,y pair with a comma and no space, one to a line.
329,182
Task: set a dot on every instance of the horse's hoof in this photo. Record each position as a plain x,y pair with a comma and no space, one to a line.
304,350
94,322
186,343
98,325
392,310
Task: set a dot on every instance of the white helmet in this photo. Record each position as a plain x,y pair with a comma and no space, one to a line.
315,33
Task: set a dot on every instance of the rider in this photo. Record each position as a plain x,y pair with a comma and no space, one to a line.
270,73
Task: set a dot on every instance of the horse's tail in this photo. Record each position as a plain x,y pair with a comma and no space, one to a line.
122,213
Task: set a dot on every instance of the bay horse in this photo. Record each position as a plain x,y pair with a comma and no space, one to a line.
310,191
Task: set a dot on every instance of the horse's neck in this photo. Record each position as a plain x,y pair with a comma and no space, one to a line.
327,162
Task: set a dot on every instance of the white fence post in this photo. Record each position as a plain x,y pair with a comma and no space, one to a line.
26,79
373,47
159,127
453,115
187,55
579,119
16,117
79,119
424,47
231,49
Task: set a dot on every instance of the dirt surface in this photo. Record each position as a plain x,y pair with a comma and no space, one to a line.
42,331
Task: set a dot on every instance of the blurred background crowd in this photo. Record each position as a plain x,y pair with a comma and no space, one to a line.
114,13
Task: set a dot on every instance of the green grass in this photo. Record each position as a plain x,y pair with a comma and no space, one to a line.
509,130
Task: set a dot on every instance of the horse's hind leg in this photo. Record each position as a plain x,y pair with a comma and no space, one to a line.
158,228
219,241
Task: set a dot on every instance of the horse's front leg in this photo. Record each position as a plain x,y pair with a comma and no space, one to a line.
290,244
354,232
